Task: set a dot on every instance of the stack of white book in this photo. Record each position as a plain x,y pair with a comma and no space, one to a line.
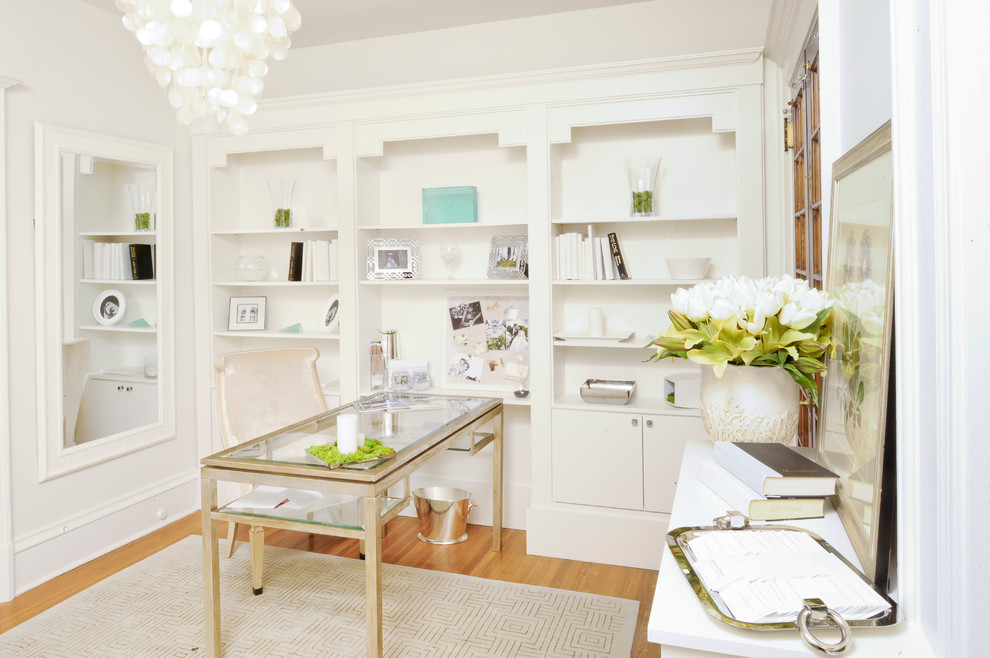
313,260
583,257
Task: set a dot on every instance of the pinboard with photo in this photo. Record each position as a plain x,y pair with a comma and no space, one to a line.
482,333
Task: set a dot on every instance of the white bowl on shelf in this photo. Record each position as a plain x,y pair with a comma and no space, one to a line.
688,268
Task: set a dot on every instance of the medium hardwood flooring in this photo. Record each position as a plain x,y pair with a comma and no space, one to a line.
473,557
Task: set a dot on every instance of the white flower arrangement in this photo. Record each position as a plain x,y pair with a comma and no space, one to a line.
775,321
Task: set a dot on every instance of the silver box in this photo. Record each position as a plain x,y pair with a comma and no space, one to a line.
608,391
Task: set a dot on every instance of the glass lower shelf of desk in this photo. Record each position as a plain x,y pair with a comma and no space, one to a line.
306,506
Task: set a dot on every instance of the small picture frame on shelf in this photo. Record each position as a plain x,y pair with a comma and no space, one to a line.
246,313
508,257
390,258
109,307
329,323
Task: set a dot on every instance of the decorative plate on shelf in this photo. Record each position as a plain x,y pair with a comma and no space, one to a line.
109,307
329,321
614,336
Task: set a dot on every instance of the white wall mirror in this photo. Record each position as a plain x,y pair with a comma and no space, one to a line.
103,228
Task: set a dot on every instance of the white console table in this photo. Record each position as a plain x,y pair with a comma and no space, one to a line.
681,625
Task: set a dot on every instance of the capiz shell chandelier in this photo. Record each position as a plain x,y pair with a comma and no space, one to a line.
211,55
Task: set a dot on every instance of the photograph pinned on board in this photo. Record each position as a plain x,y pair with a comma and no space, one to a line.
465,315
464,366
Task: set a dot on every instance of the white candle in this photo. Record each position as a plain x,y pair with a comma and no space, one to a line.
596,321
347,435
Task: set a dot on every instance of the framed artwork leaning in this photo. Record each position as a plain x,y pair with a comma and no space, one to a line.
857,430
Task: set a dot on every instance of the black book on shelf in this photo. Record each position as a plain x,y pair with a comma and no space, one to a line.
296,261
773,469
142,265
620,263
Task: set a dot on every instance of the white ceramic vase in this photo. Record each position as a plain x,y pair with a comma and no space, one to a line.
750,404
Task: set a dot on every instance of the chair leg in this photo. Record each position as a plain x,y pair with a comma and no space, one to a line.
257,557
231,532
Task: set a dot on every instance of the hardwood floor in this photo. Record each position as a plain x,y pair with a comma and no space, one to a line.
401,546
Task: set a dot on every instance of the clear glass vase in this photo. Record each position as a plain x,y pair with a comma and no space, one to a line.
282,190
143,205
643,182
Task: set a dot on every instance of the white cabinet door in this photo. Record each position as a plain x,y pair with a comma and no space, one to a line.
663,446
597,458
111,406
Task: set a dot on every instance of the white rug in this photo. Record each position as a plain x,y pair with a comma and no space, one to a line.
313,605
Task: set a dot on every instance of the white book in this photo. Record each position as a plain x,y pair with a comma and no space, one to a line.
332,258
126,272
575,250
307,273
88,255
605,253
321,260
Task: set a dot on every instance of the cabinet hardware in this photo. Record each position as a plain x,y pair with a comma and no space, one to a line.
649,424
635,422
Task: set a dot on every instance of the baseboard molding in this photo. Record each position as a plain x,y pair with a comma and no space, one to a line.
61,547
593,534
7,579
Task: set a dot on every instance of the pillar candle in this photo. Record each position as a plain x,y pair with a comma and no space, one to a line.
347,435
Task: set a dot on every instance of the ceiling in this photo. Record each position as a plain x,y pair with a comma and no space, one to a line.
334,21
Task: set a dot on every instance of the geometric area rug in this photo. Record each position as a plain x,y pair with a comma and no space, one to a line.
313,605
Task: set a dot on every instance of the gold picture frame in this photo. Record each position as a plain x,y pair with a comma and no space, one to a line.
857,429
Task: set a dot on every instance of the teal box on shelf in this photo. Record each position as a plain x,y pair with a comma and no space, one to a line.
450,205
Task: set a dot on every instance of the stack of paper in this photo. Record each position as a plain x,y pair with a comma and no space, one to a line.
763,576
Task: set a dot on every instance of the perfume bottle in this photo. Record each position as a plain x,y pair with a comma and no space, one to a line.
377,366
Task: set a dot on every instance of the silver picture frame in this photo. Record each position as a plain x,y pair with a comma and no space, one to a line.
246,313
508,258
857,429
393,258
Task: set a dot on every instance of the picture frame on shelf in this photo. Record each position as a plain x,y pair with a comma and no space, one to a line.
109,307
508,257
329,322
247,313
856,426
393,258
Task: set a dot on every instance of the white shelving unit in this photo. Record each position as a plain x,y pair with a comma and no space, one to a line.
241,223
395,162
102,213
546,155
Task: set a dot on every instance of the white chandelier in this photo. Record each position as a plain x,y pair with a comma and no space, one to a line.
211,55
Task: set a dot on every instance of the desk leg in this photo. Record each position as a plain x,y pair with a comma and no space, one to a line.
373,574
497,485
211,567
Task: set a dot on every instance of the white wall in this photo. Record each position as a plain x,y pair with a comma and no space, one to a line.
81,69
642,30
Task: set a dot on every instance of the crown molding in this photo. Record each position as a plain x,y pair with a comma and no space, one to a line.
639,67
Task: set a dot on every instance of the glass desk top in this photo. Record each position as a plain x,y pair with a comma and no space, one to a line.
403,422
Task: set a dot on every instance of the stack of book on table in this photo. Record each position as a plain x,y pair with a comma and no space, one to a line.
768,481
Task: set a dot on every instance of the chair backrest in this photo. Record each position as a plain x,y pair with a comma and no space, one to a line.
260,391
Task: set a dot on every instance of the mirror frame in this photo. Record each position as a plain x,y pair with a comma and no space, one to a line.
54,458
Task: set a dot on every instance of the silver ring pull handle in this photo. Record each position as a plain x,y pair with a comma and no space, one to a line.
815,614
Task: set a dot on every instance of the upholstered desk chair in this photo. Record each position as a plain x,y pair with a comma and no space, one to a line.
260,391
